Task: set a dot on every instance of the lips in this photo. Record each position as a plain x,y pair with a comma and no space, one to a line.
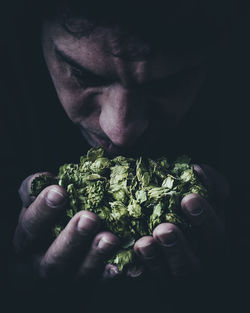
95,141
150,144
107,145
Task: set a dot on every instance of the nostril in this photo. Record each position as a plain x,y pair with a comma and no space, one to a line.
122,118
122,136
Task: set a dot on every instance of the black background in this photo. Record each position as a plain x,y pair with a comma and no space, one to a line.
36,135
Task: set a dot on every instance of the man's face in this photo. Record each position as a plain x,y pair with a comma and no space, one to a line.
119,103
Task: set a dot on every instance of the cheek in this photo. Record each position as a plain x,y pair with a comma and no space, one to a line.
175,104
75,101
79,104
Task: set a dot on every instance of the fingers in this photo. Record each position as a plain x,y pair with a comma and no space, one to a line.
78,252
76,246
201,215
102,248
39,218
70,246
167,252
111,271
176,250
216,184
148,251
24,190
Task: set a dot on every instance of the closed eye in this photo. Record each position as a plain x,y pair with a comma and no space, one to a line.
80,74
85,79
167,85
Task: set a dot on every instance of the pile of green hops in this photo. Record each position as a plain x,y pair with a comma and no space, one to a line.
131,196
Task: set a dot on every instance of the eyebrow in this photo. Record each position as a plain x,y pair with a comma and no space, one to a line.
69,60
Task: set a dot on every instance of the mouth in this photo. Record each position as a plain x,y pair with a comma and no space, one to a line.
107,145
151,144
95,141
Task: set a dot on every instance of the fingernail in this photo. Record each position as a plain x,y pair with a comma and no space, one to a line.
105,244
168,239
113,271
194,206
147,251
55,198
87,224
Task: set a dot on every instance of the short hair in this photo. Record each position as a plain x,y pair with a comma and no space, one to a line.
178,26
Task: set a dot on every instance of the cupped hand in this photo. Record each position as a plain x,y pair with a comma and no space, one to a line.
170,251
77,254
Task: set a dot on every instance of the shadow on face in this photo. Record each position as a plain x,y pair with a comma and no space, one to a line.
118,89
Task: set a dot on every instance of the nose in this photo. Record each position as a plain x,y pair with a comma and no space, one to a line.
123,115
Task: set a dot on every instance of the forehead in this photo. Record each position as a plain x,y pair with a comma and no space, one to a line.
95,52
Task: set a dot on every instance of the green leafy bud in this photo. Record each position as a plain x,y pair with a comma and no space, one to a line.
40,182
131,196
